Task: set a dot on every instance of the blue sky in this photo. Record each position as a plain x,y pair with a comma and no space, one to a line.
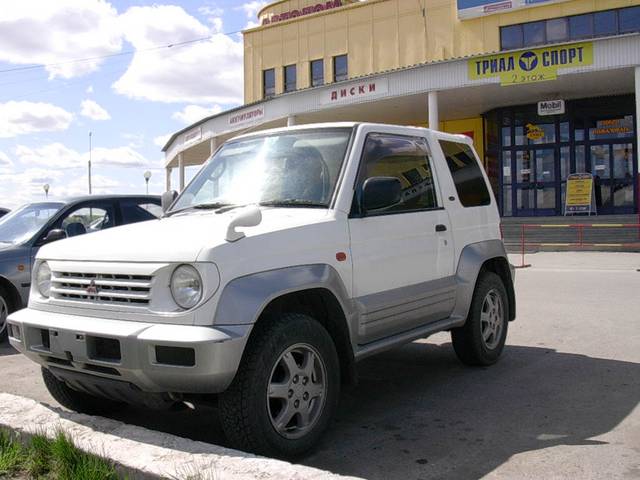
49,101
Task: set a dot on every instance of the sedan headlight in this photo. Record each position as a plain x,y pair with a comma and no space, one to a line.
186,286
43,279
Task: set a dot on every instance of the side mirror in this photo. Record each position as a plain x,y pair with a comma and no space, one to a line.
167,199
54,235
381,192
247,217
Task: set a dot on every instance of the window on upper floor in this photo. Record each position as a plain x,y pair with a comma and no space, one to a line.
340,68
290,78
269,83
317,73
573,27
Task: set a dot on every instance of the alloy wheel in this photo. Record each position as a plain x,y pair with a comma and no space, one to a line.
492,319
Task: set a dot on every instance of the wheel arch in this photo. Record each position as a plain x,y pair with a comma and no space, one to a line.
476,258
12,292
314,290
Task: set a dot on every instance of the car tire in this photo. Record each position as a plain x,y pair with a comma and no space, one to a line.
286,389
78,401
5,309
480,341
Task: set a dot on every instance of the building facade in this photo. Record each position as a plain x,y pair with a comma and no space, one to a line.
545,88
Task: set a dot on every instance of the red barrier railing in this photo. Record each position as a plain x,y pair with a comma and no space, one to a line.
580,243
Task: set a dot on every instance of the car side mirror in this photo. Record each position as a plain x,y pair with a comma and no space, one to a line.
54,235
167,200
380,192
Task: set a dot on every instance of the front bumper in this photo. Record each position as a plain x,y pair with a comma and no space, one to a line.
190,360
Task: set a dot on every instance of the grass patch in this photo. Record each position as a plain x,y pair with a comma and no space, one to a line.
44,459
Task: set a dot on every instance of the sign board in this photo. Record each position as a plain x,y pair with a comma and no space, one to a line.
193,135
551,107
534,132
299,12
530,66
248,116
480,8
579,197
613,127
355,91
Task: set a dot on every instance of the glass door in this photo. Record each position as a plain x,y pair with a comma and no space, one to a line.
535,182
612,170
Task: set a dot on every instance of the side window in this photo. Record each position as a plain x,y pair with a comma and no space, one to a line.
87,219
407,159
466,173
138,211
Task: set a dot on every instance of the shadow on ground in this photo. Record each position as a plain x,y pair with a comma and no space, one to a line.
417,413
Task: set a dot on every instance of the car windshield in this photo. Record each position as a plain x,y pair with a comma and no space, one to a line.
24,222
297,169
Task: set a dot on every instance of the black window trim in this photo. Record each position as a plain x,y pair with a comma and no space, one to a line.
284,78
264,83
335,75
356,212
311,78
594,35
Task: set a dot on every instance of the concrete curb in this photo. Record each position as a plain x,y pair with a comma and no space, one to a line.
147,454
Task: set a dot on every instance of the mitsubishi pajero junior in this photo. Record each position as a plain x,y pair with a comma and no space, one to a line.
293,254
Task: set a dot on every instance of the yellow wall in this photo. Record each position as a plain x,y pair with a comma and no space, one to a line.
464,126
379,35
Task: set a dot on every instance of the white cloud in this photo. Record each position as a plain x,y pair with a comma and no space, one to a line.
18,118
100,185
46,32
207,71
57,155
92,110
252,9
89,89
5,161
26,186
192,113
161,140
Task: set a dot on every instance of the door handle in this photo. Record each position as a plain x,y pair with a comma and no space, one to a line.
441,228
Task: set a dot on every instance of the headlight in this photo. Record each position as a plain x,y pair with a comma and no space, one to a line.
186,286
43,279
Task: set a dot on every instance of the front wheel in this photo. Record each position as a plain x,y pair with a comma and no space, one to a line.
4,313
481,339
286,389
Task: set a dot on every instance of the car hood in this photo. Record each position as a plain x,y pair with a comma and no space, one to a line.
179,238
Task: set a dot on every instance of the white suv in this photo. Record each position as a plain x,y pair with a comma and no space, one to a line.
292,254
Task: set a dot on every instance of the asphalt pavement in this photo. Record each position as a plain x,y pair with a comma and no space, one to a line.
562,403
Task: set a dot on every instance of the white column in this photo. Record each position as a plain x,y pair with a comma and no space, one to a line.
434,122
181,171
291,120
213,144
167,173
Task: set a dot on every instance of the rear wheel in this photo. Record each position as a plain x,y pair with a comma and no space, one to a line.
481,339
77,401
286,389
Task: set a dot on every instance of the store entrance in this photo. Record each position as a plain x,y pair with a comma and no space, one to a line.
537,153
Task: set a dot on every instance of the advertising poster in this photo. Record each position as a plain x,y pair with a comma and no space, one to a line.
479,8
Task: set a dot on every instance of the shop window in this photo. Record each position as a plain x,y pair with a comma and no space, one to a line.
467,175
605,23
269,83
534,33
511,37
290,78
565,162
581,26
340,68
557,30
506,168
607,128
506,136
629,20
564,132
507,210
407,159
317,73
581,164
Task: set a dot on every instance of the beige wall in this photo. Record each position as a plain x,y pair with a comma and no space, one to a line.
379,35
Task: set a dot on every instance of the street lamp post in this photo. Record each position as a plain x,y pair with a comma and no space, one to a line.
46,190
89,164
147,176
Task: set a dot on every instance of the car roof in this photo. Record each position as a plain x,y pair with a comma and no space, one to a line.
68,200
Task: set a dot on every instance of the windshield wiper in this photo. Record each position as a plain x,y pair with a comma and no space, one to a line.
203,206
294,202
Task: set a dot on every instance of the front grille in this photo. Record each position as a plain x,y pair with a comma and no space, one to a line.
134,290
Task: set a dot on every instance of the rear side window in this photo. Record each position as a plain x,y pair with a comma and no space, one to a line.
407,159
134,211
467,176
